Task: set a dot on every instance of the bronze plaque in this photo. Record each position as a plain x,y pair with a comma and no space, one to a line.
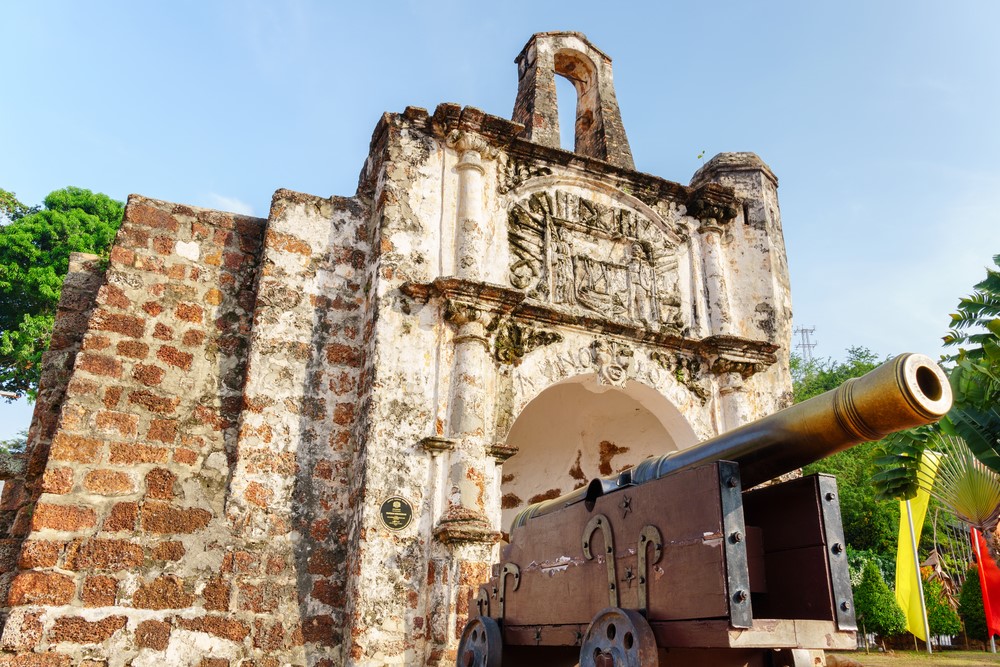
396,513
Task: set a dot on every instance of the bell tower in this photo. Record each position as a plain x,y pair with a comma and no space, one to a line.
599,130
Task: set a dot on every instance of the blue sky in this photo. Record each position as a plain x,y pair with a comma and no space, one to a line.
879,118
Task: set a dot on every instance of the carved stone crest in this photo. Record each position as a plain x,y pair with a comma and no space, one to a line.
513,173
613,360
686,369
587,257
513,340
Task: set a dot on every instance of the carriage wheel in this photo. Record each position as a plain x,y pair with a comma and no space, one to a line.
481,644
619,638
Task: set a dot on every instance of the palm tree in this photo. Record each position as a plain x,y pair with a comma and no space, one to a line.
975,378
967,487
974,373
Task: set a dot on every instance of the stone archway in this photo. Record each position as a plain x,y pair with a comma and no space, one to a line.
579,429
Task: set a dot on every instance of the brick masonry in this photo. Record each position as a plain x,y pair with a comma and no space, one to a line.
227,406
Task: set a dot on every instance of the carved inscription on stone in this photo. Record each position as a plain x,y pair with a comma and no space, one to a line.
591,258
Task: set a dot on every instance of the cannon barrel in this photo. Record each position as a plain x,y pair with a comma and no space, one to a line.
910,390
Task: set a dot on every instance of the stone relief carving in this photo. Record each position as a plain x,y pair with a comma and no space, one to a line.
745,368
513,340
687,370
459,312
613,361
591,258
513,173
680,377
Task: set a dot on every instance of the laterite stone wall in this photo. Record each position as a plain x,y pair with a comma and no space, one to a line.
138,546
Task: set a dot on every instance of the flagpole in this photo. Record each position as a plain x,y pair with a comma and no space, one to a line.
920,583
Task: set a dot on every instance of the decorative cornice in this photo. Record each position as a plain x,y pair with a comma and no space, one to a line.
714,205
485,296
504,302
435,444
503,133
739,355
501,451
461,525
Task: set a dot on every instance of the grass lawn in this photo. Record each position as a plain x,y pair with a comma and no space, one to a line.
942,659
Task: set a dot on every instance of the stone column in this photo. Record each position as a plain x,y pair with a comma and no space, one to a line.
464,534
469,473
719,314
732,397
715,208
470,236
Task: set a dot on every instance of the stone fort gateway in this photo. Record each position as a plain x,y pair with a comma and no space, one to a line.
301,440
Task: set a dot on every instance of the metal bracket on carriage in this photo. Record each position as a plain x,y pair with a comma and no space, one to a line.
601,522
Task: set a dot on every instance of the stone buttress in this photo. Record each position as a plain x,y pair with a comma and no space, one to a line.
295,440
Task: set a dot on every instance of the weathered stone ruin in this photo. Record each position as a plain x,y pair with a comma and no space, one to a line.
299,440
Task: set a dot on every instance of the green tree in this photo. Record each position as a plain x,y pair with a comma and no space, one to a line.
970,606
34,258
12,209
814,377
975,382
857,561
876,606
975,377
14,445
869,524
941,618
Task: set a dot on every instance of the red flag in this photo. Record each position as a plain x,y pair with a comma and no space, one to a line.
989,582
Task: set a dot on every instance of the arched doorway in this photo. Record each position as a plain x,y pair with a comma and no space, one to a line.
579,429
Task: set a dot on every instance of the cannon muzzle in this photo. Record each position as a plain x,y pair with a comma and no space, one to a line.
910,390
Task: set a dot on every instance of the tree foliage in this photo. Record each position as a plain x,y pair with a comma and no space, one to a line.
857,560
941,618
970,606
14,445
34,257
814,377
974,375
11,208
869,525
876,606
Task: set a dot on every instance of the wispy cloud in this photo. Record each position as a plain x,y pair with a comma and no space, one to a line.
231,204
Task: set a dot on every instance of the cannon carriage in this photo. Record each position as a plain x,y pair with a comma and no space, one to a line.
681,561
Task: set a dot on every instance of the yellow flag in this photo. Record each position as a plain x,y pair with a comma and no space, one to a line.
907,569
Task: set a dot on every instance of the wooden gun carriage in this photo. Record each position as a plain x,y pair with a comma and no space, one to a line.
673,563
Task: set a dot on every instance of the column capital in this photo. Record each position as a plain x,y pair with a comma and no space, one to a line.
472,147
713,205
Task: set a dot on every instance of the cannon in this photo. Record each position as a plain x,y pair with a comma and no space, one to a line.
672,562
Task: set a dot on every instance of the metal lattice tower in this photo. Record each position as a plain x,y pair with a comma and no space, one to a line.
806,344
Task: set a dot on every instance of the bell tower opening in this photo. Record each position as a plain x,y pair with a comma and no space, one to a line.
565,94
576,68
